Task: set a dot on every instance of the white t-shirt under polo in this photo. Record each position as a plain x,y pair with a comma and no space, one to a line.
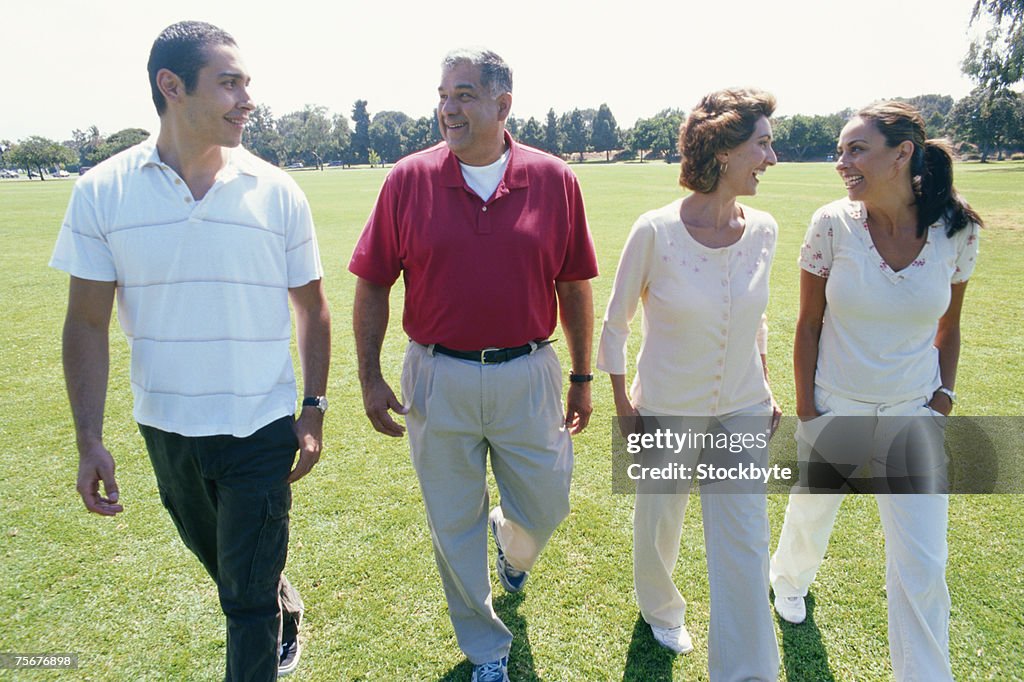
703,315
202,286
878,333
483,180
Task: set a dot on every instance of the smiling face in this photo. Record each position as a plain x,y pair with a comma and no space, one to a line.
217,109
866,164
748,161
471,119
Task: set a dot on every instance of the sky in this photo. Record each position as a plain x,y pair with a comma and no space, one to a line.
70,64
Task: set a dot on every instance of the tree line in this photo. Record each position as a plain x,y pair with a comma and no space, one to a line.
987,122
984,124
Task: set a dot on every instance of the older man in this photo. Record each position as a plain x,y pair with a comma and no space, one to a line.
492,241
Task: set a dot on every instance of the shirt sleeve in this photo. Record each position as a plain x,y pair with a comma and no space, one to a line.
580,259
82,249
966,253
631,279
376,257
762,335
816,251
303,253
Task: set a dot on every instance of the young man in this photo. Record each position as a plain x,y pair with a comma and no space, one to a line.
203,244
492,240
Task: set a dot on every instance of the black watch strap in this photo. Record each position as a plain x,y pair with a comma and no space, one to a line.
317,401
580,378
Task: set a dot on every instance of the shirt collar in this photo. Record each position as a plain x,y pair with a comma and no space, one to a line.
515,176
240,161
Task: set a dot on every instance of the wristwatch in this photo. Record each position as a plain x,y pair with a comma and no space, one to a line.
948,392
580,378
317,401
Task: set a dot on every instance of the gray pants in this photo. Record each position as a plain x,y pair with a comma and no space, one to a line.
229,500
459,412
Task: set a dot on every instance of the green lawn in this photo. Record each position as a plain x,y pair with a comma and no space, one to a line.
127,596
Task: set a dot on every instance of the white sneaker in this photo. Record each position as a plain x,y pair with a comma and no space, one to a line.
677,639
791,609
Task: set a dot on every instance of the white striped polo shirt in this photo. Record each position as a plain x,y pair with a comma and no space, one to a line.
202,286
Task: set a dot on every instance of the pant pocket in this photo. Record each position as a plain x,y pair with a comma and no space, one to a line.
272,544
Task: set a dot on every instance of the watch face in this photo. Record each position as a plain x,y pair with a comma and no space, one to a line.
321,403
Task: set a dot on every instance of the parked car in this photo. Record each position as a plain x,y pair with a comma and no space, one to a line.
82,169
9,173
296,164
60,173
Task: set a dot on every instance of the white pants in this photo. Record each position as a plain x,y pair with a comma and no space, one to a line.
741,637
459,412
915,546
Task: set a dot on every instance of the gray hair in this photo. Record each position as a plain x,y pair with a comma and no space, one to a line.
495,74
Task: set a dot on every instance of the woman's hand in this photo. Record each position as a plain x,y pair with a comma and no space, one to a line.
776,417
941,403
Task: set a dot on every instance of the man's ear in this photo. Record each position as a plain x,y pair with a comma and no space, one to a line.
504,105
170,85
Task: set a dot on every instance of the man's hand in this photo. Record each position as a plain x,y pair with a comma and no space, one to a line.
578,407
96,464
379,400
309,431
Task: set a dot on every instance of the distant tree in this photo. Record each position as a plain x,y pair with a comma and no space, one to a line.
997,60
552,135
989,120
118,142
532,133
642,137
341,139
84,143
666,141
5,146
513,125
39,153
361,136
373,158
420,134
604,135
576,133
386,136
803,138
934,109
261,137
306,134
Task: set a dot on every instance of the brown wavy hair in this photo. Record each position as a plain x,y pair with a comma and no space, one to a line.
722,120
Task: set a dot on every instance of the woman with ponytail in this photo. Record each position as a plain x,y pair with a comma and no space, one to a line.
883,277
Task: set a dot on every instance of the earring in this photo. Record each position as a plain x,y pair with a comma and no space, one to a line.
723,168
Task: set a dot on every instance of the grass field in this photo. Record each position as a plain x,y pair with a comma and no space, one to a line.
127,596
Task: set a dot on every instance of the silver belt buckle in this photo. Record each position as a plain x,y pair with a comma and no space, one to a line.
483,356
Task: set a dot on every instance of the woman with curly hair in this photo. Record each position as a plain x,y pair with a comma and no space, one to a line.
700,268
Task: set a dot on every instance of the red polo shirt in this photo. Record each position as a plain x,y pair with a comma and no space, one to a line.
477,274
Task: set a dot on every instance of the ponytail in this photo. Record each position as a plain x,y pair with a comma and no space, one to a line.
932,172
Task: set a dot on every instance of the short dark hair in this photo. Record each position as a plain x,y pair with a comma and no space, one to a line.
181,49
495,74
721,120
